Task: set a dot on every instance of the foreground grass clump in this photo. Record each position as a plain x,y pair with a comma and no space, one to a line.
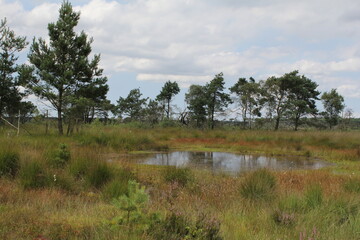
98,175
313,196
119,185
258,185
33,175
9,164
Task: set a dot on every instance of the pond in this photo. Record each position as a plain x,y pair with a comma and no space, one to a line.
230,162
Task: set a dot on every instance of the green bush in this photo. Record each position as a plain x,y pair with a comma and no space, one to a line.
32,175
60,157
132,204
258,185
98,175
9,164
182,176
166,123
352,185
313,196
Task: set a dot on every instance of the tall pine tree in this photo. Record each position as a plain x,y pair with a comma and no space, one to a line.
63,71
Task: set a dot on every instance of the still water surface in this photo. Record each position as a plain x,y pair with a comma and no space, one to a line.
229,162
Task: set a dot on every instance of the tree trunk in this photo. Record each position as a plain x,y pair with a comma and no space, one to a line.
168,109
59,110
277,123
69,127
212,119
92,114
60,122
296,124
297,120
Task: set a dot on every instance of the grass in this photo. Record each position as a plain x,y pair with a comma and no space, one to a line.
9,163
258,185
69,195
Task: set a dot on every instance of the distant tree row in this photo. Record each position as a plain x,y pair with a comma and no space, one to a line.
62,72
291,97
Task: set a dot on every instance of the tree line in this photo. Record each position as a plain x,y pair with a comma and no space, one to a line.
62,72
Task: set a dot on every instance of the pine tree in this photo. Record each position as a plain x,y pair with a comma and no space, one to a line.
62,68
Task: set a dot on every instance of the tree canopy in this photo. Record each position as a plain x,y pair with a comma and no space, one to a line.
10,95
249,95
63,71
132,106
168,91
333,105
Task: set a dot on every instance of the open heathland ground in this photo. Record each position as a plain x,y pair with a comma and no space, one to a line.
62,187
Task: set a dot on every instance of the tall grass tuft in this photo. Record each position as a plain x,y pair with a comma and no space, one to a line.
313,196
119,185
9,164
79,167
182,176
258,185
344,210
98,175
33,175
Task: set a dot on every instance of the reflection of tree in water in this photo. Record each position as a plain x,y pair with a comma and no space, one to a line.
229,162
201,158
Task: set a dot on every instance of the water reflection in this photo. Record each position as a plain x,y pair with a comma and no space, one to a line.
229,162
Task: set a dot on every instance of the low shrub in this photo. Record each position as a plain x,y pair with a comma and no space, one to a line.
178,226
182,176
132,204
9,164
33,175
60,157
258,185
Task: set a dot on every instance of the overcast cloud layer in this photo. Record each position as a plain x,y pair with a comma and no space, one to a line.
190,41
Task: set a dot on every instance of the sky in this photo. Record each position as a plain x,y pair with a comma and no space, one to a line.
144,43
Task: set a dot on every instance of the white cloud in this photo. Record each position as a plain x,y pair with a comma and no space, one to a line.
350,90
191,40
183,80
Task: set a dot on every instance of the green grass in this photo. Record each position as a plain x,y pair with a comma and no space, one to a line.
9,164
258,185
